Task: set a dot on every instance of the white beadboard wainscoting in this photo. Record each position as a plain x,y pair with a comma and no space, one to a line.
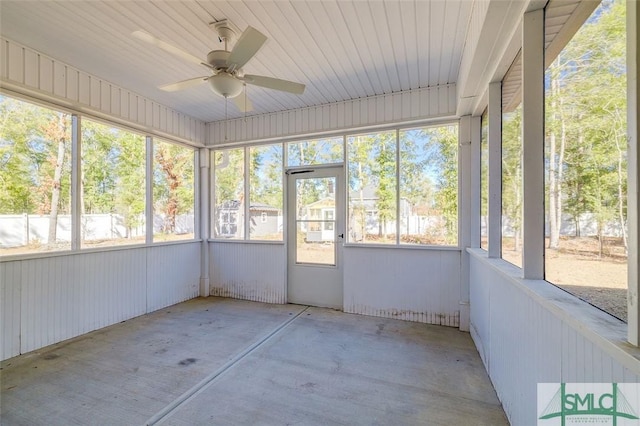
413,284
50,299
437,102
31,73
251,271
530,332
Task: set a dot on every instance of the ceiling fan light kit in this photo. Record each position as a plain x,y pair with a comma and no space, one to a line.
225,85
227,79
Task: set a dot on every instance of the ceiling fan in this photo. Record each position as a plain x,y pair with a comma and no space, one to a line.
227,78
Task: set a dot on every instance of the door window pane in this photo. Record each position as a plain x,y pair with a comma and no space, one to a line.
315,220
113,186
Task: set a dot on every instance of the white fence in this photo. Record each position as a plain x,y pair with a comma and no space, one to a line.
587,225
21,230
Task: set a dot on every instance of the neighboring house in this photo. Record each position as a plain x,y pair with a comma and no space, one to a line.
324,209
264,220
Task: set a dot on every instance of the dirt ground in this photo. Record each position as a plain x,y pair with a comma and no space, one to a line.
576,267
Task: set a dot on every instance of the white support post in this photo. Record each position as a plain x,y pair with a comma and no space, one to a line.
247,195
76,182
475,178
202,224
633,159
494,231
148,211
533,144
464,214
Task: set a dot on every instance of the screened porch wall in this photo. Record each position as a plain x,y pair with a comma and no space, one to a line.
50,299
31,73
529,332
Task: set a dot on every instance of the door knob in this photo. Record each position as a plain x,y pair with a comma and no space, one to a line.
341,235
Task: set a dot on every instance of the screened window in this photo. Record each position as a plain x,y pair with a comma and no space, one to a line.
173,192
512,189
586,162
229,194
429,185
403,186
35,178
266,192
113,186
484,182
372,187
316,151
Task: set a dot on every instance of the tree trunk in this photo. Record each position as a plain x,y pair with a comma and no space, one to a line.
621,198
553,187
553,224
560,175
57,182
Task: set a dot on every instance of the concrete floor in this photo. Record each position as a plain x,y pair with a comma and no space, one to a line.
228,362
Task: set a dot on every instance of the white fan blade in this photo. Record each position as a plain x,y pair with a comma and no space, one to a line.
184,84
275,83
167,47
243,103
247,45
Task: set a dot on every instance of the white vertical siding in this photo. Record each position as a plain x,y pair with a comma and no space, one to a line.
248,271
410,105
31,73
409,284
47,300
173,274
9,309
530,332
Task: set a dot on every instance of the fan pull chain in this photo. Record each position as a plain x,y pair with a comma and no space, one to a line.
226,103
245,102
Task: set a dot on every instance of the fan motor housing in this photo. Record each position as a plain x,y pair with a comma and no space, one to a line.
218,58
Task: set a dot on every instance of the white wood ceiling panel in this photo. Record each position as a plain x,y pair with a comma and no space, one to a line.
339,49
423,39
358,43
436,29
337,29
410,36
384,37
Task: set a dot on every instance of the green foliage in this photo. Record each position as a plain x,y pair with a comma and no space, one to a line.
229,175
29,142
321,151
512,190
265,176
113,172
443,148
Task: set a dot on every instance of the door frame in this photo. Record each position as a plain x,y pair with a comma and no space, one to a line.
324,271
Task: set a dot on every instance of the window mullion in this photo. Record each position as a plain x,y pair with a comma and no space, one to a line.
76,181
247,202
398,217
149,191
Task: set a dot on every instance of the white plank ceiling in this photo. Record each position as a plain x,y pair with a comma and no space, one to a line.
340,49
